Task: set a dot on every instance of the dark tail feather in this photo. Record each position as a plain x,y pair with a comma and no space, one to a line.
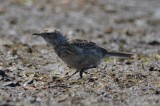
117,54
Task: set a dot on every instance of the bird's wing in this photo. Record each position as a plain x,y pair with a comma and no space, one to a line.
89,46
82,43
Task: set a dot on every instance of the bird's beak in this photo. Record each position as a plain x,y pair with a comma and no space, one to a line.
39,34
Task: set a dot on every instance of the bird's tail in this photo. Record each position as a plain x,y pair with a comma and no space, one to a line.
118,54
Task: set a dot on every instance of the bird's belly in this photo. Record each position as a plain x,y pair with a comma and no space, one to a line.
81,62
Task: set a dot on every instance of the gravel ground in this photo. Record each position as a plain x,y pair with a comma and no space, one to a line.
32,74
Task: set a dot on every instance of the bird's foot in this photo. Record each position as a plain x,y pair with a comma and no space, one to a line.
68,77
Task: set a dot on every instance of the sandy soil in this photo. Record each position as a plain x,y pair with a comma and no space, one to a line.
32,74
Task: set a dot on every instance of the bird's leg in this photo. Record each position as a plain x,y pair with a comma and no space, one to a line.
73,74
85,72
88,68
81,74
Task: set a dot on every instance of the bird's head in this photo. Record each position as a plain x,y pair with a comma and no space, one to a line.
52,36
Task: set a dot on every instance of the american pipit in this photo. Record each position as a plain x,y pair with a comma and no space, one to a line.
78,54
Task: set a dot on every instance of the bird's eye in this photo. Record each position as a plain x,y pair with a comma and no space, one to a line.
48,33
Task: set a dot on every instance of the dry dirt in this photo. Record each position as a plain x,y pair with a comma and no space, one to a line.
32,74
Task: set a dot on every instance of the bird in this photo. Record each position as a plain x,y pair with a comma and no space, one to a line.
77,53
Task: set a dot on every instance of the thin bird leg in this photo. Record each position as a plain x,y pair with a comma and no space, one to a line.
81,74
85,72
73,74
88,68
